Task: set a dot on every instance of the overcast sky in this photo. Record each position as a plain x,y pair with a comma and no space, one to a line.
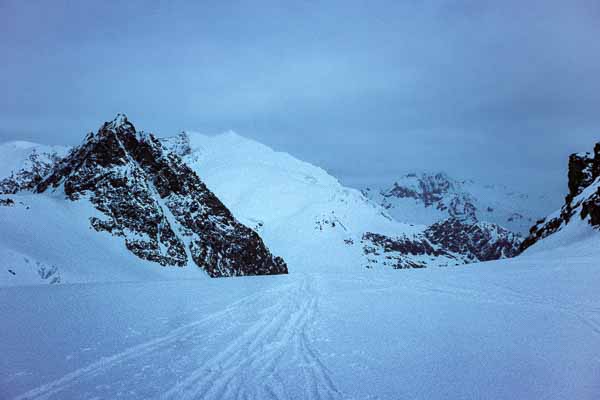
500,91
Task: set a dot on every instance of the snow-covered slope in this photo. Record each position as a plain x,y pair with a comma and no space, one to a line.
305,214
523,328
424,198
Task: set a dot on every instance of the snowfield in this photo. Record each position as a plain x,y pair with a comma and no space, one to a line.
524,328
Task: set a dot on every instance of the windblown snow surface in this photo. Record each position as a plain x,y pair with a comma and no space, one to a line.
524,328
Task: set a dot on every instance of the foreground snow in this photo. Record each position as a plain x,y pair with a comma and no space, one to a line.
523,328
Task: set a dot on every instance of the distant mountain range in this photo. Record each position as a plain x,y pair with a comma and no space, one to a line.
427,198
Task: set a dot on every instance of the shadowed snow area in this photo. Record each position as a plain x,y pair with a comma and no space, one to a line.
527,327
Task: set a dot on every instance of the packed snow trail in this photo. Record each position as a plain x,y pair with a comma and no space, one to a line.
486,331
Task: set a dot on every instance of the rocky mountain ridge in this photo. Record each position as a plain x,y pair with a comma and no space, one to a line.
159,206
452,240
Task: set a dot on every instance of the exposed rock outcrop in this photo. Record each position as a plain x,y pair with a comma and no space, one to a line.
453,240
398,252
582,201
480,241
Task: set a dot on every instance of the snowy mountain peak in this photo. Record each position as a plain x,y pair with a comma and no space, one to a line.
157,204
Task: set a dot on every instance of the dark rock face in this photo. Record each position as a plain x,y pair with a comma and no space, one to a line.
480,241
455,240
580,173
394,250
583,199
36,168
7,202
158,205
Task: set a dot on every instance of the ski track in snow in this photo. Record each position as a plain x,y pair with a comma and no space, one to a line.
278,341
259,352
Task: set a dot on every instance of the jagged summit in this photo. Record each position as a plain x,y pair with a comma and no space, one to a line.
158,205
120,121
